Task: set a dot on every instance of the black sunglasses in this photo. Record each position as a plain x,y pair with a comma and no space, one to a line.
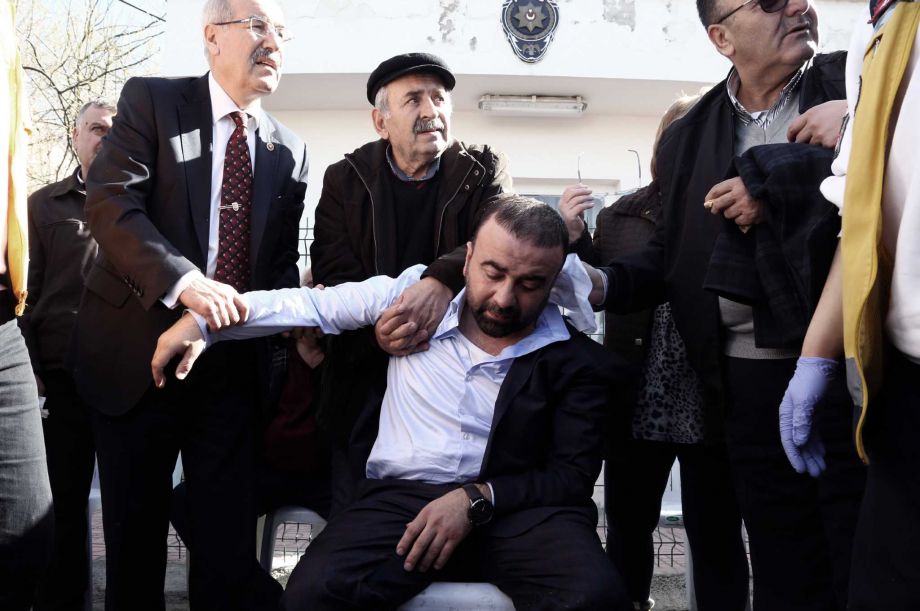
767,6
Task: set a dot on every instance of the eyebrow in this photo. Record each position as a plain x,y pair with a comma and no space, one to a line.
504,270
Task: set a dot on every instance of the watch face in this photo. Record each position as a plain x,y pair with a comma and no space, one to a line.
480,511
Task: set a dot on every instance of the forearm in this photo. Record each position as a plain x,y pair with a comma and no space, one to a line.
334,309
824,337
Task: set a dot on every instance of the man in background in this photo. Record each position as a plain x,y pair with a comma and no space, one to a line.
61,251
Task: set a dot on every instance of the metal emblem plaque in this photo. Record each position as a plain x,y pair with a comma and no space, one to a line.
530,26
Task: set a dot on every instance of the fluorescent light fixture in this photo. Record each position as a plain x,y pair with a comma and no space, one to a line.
533,105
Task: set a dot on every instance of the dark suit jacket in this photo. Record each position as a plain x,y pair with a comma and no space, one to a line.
545,449
148,206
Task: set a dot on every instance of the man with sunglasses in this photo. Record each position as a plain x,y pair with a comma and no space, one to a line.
195,197
778,90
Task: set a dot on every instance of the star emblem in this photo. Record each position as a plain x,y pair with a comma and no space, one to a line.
530,17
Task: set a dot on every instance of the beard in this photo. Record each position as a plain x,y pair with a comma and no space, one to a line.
498,328
513,318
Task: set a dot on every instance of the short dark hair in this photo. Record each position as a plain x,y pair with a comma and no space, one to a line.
706,9
527,219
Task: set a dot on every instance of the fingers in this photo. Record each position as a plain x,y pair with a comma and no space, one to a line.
446,552
188,359
796,127
242,307
432,553
391,319
813,454
417,553
720,189
413,529
157,364
786,409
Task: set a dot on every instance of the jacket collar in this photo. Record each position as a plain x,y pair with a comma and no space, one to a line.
71,183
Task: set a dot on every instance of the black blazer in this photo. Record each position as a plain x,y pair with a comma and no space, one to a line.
545,449
148,207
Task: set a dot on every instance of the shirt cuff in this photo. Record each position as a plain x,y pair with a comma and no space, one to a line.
491,492
604,281
203,328
171,298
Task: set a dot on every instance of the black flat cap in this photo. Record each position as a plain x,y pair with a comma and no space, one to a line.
408,63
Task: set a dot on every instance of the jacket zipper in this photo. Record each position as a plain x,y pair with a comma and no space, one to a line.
370,196
437,244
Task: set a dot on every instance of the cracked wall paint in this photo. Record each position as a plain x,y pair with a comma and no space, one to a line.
445,21
621,12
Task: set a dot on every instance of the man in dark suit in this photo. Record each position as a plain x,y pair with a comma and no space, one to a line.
489,442
196,194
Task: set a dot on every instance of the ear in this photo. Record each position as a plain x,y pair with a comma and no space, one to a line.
721,39
210,39
466,262
379,125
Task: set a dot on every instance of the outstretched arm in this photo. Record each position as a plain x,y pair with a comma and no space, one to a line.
334,309
813,373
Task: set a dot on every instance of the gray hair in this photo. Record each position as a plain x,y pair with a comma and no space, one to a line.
382,102
214,11
94,103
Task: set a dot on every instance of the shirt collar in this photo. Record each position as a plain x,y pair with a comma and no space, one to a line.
550,328
222,105
432,169
765,117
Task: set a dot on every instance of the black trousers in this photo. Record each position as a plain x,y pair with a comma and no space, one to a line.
208,417
635,477
558,564
800,529
71,456
885,570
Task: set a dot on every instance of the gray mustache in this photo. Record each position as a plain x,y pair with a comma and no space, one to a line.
425,126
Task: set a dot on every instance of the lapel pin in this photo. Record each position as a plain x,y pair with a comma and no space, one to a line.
270,146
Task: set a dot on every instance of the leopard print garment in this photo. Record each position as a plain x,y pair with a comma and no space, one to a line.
669,405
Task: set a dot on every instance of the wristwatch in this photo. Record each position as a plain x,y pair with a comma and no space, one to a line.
480,508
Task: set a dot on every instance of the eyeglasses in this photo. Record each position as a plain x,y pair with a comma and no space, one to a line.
767,6
262,27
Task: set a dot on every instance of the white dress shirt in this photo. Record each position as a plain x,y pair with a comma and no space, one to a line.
222,127
436,414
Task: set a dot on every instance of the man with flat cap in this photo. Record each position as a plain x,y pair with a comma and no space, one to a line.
409,197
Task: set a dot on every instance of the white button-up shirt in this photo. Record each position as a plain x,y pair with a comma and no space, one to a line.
437,411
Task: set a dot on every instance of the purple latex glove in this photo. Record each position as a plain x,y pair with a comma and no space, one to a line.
797,411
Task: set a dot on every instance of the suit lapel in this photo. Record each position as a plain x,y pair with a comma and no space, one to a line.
195,150
518,375
267,151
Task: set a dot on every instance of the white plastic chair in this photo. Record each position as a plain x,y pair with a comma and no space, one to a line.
449,596
282,515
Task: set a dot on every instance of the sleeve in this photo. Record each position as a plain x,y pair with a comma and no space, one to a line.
448,269
331,255
334,309
35,281
119,184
